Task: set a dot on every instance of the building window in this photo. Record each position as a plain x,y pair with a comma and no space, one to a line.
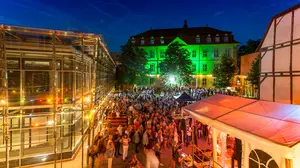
227,52
208,39
193,67
162,41
151,54
204,81
152,67
216,53
152,40
204,67
217,38
197,39
259,158
162,54
132,40
193,53
204,52
226,39
142,41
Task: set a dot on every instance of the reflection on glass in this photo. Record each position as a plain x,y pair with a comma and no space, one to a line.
12,64
28,64
13,87
37,88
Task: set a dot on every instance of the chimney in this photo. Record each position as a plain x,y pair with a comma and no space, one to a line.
151,28
206,25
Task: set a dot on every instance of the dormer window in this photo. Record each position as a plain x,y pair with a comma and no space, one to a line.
226,39
217,38
142,41
197,39
162,41
152,40
208,39
132,40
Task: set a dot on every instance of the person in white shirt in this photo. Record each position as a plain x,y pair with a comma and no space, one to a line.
152,160
125,143
103,131
120,130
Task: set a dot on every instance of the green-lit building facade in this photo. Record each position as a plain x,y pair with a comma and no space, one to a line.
205,44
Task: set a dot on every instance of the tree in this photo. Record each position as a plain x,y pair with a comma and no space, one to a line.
176,67
253,74
133,62
249,48
224,72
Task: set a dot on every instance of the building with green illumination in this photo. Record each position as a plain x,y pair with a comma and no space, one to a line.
205,44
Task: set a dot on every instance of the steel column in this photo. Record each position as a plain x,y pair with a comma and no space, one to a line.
4,94
54,93
82,101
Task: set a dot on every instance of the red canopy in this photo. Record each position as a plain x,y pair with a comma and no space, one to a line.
276,122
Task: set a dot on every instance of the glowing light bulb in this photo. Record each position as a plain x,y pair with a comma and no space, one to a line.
2,101
87,99
50,122
36,124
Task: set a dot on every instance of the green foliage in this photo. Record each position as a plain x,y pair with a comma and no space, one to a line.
133,62
224,71
177,64
253,74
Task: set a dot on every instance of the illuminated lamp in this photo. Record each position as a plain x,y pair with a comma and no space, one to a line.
87,99
2,101
50,122
36,124
49,100
14,91
172,79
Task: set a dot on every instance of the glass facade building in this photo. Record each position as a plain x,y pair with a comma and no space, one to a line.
52,83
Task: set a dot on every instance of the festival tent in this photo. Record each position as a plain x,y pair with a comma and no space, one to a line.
184,97
268,126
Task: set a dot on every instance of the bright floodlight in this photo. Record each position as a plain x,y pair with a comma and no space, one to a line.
172,79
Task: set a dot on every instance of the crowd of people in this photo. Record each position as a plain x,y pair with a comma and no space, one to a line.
152,127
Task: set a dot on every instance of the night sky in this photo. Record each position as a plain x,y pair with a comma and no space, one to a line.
118,19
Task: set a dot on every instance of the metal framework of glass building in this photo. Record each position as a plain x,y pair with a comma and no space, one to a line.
52,83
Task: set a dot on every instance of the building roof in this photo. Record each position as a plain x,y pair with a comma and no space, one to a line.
246,62
276,122
192,31
271,21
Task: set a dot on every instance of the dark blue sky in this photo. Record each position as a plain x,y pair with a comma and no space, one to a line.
118,19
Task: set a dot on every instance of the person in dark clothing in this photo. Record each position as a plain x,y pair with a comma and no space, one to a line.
116,139
178,158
